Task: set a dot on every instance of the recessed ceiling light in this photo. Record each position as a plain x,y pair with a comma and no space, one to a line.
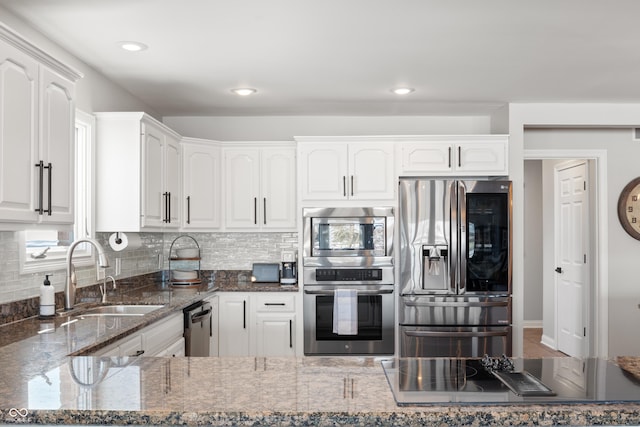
243,91
132,46
402,90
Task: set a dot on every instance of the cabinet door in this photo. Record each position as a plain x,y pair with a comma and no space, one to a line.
275,334
233,325
57,142
18,124
488,157
173,181
242,186
153,198
323,171
426,158
201,189
278,188
371,172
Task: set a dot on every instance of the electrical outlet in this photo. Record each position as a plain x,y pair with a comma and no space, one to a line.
118,266
100,272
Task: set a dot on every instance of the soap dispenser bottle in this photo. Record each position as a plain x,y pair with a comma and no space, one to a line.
47,299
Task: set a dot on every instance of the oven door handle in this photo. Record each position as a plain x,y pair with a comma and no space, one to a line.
457,304
422,334
378,292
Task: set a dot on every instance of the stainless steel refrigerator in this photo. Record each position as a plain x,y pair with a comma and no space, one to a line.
455,267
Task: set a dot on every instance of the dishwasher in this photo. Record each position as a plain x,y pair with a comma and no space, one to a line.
197,328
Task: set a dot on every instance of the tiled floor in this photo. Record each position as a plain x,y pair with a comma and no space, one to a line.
534,349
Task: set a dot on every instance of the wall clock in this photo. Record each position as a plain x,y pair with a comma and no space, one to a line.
629,208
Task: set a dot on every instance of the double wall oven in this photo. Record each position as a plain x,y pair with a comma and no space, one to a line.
348,248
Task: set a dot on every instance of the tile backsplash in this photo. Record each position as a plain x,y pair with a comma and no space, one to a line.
219,251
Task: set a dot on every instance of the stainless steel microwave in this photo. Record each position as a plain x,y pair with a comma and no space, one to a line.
348,236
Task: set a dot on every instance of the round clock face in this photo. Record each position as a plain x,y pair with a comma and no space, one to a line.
629,208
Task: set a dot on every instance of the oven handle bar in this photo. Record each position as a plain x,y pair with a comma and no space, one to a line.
377,292
422,334
457,304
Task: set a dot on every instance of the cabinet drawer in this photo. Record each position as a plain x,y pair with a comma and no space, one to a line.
275,303
160,336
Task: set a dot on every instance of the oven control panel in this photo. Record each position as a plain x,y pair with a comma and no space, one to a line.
348,274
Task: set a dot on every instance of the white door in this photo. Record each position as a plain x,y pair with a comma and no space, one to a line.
371,172
278,204
242,185
173,182
234,324
19,177
572,257
153,198
57,135
201,190
323,171
275,335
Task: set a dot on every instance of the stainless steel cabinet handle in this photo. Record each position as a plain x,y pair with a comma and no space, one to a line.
264,210
50,167
169,207
459,157
352,185
188,209
255,210
40,208
274,303
244,314
290,333
449,157
344,185
166,206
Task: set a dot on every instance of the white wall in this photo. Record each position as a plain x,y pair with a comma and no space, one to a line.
533,283
94,92
284,128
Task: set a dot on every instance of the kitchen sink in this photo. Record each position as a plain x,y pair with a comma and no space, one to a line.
120,310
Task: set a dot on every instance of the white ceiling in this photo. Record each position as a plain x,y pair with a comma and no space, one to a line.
342,57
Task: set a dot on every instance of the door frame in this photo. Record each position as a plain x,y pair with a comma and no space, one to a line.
599,338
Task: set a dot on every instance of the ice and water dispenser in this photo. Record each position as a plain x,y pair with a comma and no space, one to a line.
435,267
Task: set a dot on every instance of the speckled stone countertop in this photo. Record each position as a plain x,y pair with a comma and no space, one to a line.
252,391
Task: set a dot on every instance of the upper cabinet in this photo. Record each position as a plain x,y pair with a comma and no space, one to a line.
201,200
138,174
37,115
337,169
454,155
260,186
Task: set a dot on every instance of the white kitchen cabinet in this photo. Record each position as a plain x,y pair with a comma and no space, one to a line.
234,323
330,169
275,322
37,116
259,183
138,174
454,155
201,166
257,324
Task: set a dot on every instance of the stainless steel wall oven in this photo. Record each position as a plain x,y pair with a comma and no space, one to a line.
348,248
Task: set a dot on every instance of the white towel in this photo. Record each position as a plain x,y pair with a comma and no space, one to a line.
345,312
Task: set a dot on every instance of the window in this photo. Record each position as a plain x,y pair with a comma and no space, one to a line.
46,249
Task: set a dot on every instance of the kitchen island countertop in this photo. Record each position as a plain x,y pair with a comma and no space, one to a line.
255,391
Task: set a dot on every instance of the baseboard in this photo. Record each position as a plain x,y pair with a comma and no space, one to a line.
549,342
532,324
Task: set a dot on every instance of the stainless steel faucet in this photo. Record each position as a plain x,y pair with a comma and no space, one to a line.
70,286
103,288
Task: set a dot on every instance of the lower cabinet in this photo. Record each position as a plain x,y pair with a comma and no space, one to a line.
257,324
162,338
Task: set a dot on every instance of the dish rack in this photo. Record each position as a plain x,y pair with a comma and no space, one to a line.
190,281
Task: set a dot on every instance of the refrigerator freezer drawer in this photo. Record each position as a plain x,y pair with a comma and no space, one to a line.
445,341
455,311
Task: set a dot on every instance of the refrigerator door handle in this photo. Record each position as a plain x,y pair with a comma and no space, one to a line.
462,242
456,304
422,334
454,252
